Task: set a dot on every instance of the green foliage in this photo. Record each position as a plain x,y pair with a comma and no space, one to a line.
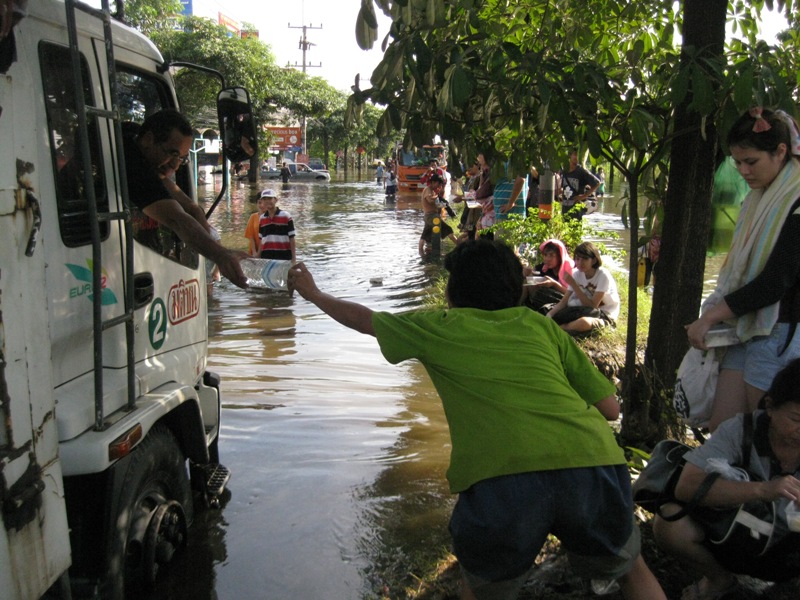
148,15
529,233
280,96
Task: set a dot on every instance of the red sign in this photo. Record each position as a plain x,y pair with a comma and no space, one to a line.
228,23
361,150
183,302
285,137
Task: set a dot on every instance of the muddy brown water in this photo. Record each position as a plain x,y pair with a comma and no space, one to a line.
338,458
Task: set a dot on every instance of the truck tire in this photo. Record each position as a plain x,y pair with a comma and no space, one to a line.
152,515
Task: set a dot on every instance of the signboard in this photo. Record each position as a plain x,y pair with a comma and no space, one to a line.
230,24
285,138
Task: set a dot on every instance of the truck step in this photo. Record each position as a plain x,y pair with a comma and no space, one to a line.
212,479
217,477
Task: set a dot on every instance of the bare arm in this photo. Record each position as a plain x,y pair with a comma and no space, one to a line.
350,314
171,214
697,330
518,183
608,407
192,208
592,301
732,493
561,304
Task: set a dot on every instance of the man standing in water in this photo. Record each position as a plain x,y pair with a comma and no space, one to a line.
577,184
160,148
527,422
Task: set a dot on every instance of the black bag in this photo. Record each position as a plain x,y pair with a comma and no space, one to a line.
746,529
655,485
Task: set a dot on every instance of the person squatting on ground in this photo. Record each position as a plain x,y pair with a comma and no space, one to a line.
591,300
527,422
774,461
758,289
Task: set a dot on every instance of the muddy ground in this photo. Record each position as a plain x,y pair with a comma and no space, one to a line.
552,579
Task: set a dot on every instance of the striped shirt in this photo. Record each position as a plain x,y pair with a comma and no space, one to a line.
275,233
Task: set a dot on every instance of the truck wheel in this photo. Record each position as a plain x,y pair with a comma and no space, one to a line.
153,513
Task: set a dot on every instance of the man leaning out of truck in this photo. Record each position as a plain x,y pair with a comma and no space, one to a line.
159,148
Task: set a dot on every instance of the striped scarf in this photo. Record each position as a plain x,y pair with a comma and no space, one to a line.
763,214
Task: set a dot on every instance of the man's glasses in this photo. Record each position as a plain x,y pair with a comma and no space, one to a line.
175,156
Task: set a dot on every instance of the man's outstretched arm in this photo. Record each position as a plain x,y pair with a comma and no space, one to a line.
350,314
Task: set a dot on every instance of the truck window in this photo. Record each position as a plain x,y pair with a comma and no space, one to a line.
140,95
62,126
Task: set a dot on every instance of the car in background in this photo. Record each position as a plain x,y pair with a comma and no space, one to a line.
300,172
317,164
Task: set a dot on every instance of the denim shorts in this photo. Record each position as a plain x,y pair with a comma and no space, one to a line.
761,358
499,525
764,358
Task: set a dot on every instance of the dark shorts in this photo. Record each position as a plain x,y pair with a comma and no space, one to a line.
499,525
444,229
568,314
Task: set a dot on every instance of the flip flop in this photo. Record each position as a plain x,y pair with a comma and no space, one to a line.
693,592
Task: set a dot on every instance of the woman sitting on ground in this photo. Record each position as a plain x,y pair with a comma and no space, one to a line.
556,262
774,466
591,300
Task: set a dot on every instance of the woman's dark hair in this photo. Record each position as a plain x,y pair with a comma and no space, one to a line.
551,247
786,385
483,274
742,134
589,250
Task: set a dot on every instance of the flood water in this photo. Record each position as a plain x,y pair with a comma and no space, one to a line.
338,458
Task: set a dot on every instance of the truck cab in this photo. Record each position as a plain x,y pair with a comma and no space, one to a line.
110,420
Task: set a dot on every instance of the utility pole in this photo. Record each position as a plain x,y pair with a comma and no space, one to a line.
304,45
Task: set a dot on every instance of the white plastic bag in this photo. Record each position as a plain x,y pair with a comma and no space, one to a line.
695,386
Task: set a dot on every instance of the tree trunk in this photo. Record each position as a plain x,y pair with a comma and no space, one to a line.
687,215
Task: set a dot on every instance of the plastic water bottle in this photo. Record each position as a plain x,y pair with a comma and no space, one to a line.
273,273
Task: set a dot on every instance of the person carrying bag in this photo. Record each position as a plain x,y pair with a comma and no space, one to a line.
727,512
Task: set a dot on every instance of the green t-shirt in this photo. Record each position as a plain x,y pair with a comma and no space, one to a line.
517,391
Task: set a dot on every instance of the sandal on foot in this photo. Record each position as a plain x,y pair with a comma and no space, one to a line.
693,592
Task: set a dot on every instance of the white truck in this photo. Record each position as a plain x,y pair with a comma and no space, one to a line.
109,420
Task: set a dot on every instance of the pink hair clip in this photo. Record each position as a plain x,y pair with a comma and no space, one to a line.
761,124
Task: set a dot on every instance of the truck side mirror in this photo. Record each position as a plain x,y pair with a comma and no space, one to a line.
236,124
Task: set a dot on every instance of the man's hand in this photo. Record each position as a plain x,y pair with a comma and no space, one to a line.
229,266
301,280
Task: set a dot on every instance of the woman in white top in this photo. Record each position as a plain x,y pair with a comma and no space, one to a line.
591,300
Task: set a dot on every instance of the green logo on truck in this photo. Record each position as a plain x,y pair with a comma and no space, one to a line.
84,286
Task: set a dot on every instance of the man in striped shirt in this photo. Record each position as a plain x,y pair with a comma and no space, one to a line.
276,230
